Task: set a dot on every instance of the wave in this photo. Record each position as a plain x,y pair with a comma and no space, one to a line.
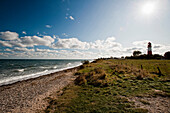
55,67
11,80
44,67
68,64
19,70
49,67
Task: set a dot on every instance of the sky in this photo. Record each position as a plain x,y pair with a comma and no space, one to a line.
82,29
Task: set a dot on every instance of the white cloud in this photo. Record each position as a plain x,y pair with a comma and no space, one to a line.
9,35
5,44
142,43
71,47
30,41
24,32
46,50
109,44
110,39
27,41
160,49
158,46
55,36
5,55
7,49
48,26
74,43
17,43
71,17
116,51
22,49
49,38
128,51
71,43
138,45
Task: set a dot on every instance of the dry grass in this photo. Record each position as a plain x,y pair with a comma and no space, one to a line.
94,77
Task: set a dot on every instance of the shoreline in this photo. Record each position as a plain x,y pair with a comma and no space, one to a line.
16,79
28,95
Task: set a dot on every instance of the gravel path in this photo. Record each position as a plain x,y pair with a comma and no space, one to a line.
28,96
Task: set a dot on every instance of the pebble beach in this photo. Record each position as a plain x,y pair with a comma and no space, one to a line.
29,95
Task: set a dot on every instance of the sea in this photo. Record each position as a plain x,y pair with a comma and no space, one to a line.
14,70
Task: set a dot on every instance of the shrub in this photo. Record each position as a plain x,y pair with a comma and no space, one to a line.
85,62
99,70
97,83
81,67
77,73
95,77
81,80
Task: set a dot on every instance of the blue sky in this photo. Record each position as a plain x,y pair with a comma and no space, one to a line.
82,28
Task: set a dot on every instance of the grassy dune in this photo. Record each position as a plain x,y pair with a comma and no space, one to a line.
110,85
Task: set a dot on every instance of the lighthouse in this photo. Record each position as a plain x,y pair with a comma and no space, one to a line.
149,49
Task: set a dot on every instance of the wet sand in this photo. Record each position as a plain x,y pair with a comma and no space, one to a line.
29,95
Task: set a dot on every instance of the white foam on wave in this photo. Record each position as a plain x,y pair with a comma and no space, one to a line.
34,75
48,67
69,64
55,67
43,67
19,70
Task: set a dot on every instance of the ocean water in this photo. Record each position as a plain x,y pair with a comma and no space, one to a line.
13,70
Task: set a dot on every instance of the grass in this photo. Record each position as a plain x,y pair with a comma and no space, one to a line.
103,86
144,101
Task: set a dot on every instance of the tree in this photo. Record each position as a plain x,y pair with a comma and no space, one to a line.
136,53
122,57
167,55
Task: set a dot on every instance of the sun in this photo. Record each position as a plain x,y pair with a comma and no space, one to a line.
148,8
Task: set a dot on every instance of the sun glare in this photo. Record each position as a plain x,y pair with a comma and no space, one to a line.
148,8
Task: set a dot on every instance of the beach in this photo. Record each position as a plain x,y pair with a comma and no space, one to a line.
29,95
104,85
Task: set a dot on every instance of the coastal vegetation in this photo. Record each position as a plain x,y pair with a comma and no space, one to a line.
114,85
139,55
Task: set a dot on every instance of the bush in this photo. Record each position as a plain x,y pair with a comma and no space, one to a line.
81,67
81,80
85,62
77,73
95,77
167,55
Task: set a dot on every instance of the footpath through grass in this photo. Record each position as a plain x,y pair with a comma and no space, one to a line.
105,86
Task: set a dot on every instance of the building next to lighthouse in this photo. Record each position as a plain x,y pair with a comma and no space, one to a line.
149,49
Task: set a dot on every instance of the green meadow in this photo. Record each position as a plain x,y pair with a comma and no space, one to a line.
106,85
